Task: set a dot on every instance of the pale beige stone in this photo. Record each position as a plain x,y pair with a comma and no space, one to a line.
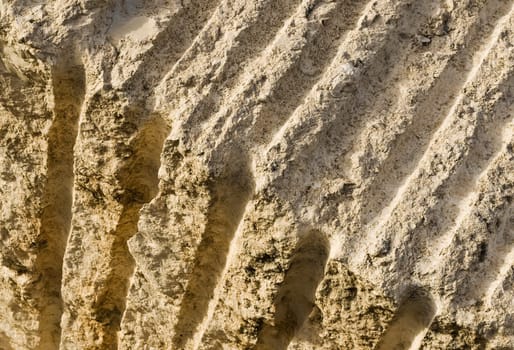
294,174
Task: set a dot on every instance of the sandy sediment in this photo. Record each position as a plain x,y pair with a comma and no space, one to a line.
296,174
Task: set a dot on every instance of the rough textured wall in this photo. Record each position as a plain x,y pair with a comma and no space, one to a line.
231,174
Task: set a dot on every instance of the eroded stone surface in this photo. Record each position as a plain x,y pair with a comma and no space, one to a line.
267,175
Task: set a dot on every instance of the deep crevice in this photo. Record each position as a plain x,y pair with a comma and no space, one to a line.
68,81
413,317
230,194
295,298
138,175
139,181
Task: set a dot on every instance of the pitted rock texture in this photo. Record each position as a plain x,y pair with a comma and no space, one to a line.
229,174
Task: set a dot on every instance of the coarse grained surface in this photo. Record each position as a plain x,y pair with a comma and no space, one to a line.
230,174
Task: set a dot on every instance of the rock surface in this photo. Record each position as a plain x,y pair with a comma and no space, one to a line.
294,174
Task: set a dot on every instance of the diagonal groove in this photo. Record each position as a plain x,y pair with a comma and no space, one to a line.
183,28
193,307
307,100
458,142
489,243
323,39
490,238
322,35
188,320
268,98
332,106
484,149
381,194
491,286
342,77
237,50
495,255
456,191
347,95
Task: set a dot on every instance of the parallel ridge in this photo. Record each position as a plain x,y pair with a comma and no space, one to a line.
423,120
218,52
454,134
300,31
183,28
285,84
303,92
505,272
311,44
476,131
287,70
464,186
327,78
486,227
332,109
315,26
478,37
248,22
493,238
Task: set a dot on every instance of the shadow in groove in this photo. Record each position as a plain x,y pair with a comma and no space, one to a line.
68,81
4,342
139,180
295,298
230,192
413,317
